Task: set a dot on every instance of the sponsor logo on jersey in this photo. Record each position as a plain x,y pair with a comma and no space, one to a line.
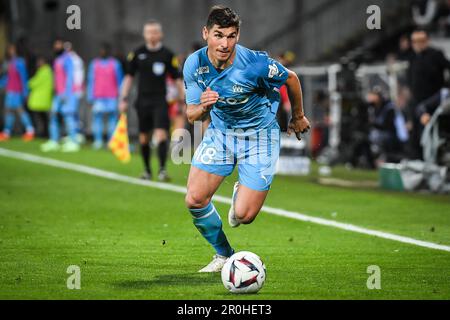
202,70
158,68
233,101
142,56
273,71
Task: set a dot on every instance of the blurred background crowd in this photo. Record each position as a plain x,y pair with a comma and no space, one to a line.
374,96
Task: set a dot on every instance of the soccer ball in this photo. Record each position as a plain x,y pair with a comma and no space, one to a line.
244,272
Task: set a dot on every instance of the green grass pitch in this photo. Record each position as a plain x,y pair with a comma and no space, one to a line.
136,242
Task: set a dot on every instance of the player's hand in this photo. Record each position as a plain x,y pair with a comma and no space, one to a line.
298,125
209,98
123,106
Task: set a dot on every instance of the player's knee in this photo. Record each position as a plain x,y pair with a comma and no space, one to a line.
247,219
161,135
144,138
195,201
245,216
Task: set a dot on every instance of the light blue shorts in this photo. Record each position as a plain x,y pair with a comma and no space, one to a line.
254,152
105,106
14,100
67,105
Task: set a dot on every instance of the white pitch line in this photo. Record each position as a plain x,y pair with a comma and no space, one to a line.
226,200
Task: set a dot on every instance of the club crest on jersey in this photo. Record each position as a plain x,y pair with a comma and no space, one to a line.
202,70
273,71
238,89
159,68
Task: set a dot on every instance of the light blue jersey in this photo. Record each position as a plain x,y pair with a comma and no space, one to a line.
248,89
243,129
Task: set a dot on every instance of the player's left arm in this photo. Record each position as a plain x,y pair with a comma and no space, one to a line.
198,102
299,123
119,73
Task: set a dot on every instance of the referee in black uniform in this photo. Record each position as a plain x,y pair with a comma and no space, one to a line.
152,63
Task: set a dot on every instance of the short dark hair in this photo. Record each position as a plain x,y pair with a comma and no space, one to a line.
152,21
42,57
420,30
106,46
378,91
224,17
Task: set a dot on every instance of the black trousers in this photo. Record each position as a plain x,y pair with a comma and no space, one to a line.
40,122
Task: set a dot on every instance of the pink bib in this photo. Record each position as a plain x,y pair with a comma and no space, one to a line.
13,84
105,84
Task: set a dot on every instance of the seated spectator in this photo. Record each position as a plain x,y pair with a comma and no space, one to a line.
387,129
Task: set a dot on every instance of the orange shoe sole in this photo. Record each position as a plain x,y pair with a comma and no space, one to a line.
28,137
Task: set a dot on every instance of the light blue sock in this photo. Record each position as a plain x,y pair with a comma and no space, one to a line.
54,127
208,222
112,121
9,122
70,120
26,121
97,127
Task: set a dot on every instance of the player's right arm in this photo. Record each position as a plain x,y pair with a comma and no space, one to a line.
90,83
127,82
199,111
69,69
198,102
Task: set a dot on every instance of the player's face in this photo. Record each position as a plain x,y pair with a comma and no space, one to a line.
12,51
58,45
373,99
103,53
221,42
152,33
40,62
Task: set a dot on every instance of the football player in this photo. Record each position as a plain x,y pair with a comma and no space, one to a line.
238,88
